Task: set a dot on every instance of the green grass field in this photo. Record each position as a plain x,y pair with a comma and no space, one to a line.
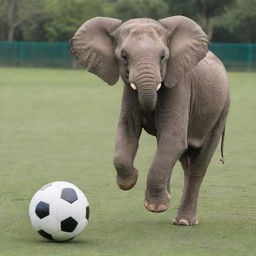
61,124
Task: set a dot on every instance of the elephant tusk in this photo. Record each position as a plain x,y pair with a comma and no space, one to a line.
133,86
158,86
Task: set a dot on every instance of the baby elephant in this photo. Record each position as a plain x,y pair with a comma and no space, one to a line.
174,88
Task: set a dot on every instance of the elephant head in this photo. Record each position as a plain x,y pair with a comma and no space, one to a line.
144,52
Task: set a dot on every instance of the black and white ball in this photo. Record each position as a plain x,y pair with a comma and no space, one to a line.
59,211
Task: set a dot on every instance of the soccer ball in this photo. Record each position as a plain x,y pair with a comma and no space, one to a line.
59,211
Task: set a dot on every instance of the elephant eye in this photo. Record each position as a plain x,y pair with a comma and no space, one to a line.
162,56
124,57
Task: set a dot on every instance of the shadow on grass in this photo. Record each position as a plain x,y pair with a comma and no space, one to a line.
74,242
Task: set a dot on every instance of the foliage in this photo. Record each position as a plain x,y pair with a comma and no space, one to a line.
57,20
203,11
241,20
65,18
22,17
33,17
127,9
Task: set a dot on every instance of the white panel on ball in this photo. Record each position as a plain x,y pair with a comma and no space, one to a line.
64,184
50,224
35,221
35,200
50,194
80,227
60,209
62,236
78,210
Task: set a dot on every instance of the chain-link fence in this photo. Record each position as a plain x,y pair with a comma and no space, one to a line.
35,54
42,54
236,56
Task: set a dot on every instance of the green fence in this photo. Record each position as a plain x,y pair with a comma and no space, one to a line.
236,56
39,54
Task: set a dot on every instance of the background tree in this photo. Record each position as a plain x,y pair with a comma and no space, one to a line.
33,16
57,20
9,18
17,13
203,11
240,20
65,16
127,9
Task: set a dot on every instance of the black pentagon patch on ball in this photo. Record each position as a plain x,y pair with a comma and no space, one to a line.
87,213
68,225
42,210
45,234
69,195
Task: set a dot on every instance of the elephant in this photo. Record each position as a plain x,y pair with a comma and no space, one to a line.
174,88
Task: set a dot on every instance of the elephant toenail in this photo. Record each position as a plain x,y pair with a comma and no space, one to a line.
151,208
174,221
183,222
161,208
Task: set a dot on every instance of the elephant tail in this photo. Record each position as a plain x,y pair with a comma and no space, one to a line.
222,159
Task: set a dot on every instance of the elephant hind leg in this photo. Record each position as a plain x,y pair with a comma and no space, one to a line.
185,216
195,164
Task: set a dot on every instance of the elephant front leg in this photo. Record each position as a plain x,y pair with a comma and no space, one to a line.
126,147
157,196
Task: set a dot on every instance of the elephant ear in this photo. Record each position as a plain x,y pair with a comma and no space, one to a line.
94,48
188,44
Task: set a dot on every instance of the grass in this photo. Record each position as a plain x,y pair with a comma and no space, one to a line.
60,125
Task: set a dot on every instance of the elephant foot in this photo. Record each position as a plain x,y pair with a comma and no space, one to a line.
159,204
128,182
185,221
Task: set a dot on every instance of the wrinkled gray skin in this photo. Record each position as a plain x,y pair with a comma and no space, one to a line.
187,114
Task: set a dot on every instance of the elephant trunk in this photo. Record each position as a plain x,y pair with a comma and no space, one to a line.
147,81
147,97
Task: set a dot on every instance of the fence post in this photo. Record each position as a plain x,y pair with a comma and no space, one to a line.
21,53
249,63
64,53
